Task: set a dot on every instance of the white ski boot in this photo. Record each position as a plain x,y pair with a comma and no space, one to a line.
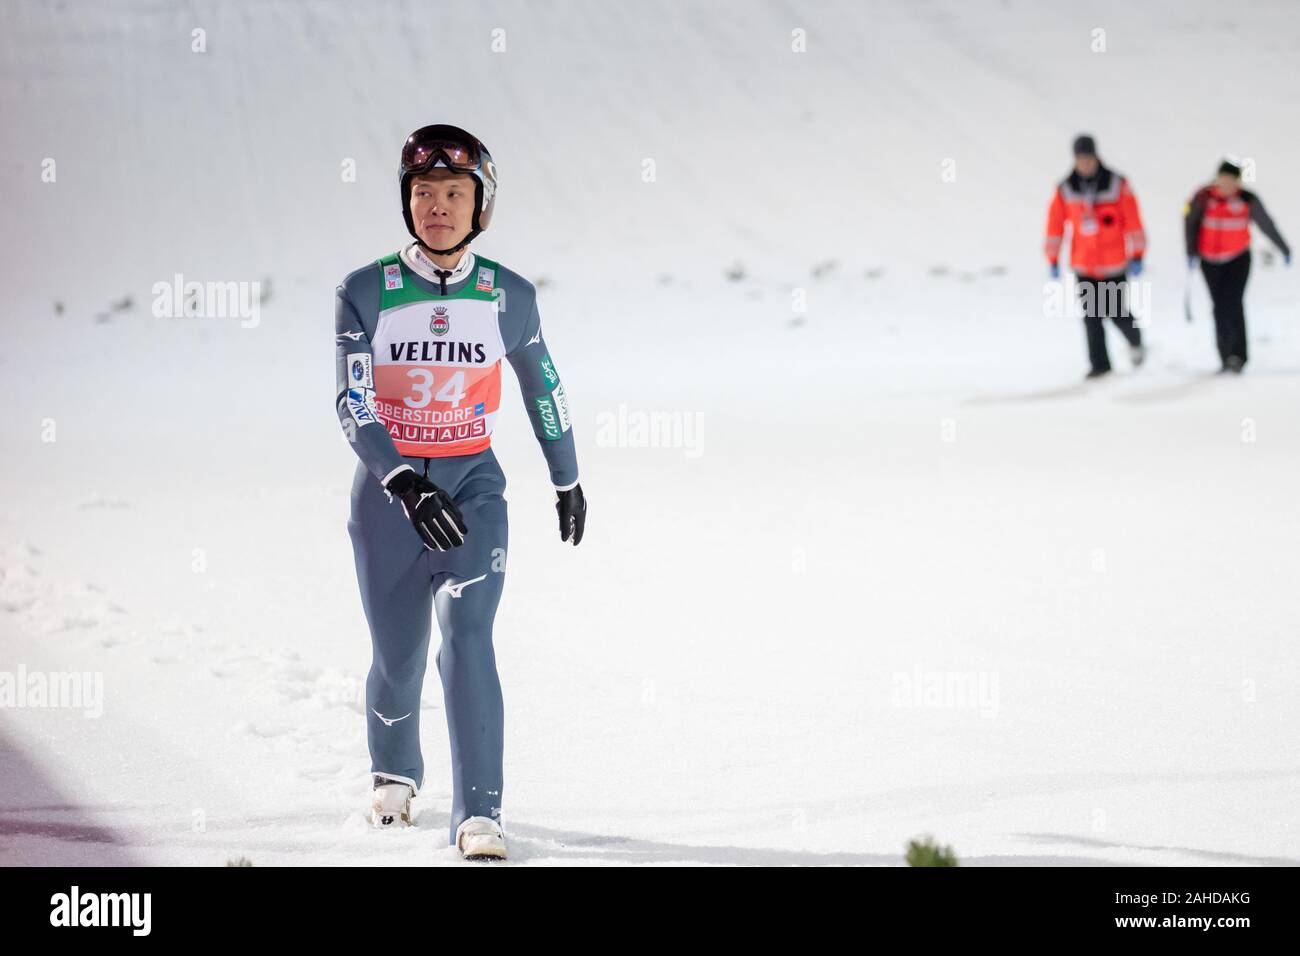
481,838
390,804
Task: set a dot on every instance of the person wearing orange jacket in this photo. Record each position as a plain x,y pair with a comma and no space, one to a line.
1106,246
1217,221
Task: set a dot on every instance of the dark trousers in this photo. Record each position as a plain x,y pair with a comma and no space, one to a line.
1103,299
1227,283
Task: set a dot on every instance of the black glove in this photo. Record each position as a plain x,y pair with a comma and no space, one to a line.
430,509
572,509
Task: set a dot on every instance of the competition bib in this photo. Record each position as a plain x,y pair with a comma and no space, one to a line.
437,362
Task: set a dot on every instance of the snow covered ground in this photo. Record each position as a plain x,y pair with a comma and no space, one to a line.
896,572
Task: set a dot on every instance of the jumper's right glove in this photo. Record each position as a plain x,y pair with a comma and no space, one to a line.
430,509
1191,263
1053,270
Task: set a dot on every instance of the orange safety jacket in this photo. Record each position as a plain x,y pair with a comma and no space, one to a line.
1218,226
1105,225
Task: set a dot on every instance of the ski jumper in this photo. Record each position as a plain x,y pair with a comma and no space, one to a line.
418,370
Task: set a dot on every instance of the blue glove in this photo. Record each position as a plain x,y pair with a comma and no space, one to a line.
1054,271
1191,263
1286,260
1135,267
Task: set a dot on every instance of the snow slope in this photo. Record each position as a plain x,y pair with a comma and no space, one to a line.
759,653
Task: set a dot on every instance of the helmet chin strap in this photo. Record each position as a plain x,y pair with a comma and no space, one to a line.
469,237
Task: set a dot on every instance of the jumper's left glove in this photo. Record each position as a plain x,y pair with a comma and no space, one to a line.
572,509
1135,267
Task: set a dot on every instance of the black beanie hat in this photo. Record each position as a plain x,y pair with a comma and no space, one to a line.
1085,145
1231,168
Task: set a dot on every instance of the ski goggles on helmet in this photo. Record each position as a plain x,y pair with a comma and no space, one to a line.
426,146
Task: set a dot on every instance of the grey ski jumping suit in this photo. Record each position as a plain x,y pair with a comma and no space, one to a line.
418,355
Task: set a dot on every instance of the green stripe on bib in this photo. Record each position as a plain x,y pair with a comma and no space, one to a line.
398,287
